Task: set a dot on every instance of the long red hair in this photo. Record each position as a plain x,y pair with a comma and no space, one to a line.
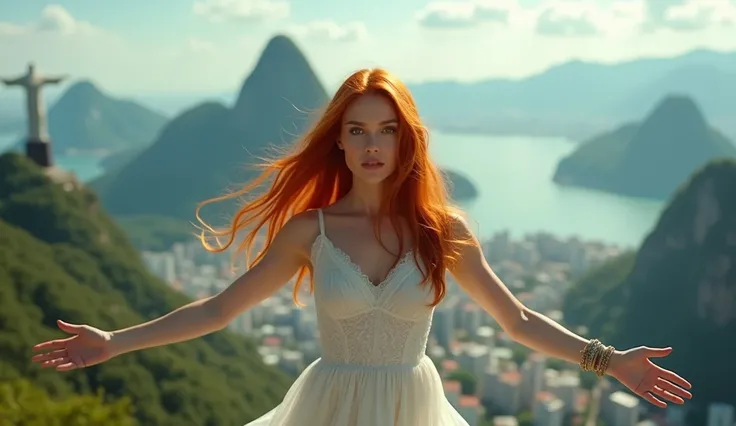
313,174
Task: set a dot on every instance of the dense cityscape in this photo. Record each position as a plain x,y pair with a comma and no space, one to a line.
486,375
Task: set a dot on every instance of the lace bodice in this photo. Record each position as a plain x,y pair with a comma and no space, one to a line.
365,324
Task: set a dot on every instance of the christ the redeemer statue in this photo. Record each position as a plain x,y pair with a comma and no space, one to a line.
38,143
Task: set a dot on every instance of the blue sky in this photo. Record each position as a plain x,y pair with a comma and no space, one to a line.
143,46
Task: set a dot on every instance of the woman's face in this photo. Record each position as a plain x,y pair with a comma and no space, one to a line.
369,138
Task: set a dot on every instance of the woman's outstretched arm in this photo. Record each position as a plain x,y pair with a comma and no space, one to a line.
287,254
536,331
529,328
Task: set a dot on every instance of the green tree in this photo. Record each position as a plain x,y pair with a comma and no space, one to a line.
684,258
23,404
62,257
468,381
525,418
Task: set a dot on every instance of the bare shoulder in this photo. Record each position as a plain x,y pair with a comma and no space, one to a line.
470,257
460,227
299,232
303,223
302,227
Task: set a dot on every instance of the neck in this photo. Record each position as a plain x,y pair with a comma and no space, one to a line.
365,197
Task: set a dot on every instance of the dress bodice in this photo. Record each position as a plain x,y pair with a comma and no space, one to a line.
373,369
365,324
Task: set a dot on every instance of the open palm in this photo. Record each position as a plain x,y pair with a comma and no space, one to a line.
636,371
88,346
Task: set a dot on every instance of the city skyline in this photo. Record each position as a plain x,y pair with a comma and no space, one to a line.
210,45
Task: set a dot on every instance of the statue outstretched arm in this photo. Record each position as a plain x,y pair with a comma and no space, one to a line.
15,82
53,80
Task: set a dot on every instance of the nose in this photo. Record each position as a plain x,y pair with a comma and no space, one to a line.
371,145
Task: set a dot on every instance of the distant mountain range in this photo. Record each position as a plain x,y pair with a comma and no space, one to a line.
579,99
575,99
86,119
651,158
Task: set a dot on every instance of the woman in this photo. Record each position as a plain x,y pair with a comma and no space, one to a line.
359,205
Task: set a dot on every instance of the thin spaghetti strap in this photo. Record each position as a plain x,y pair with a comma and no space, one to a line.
321,222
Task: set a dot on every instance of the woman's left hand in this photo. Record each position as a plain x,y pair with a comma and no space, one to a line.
637,372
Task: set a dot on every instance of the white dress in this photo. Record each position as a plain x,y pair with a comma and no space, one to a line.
373,370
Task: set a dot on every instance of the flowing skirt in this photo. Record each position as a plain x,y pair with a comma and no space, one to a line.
328,394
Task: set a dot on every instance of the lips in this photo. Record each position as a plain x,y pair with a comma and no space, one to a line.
372,164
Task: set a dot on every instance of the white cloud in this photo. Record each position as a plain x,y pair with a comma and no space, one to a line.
54,19
330,31
584,19
465,14
242,10
690,15
549,18
63,44
60,43
568,19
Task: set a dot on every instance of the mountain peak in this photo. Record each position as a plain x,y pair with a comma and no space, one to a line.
281,43
675,106
83,92
87,118
651,159
282,72
272,109
676,122
280,52
677,131
84,88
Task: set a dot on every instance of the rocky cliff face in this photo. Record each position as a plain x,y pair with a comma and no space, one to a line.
680,290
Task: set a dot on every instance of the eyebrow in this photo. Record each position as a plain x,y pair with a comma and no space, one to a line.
360,123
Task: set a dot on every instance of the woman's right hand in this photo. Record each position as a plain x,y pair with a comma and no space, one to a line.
88,346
